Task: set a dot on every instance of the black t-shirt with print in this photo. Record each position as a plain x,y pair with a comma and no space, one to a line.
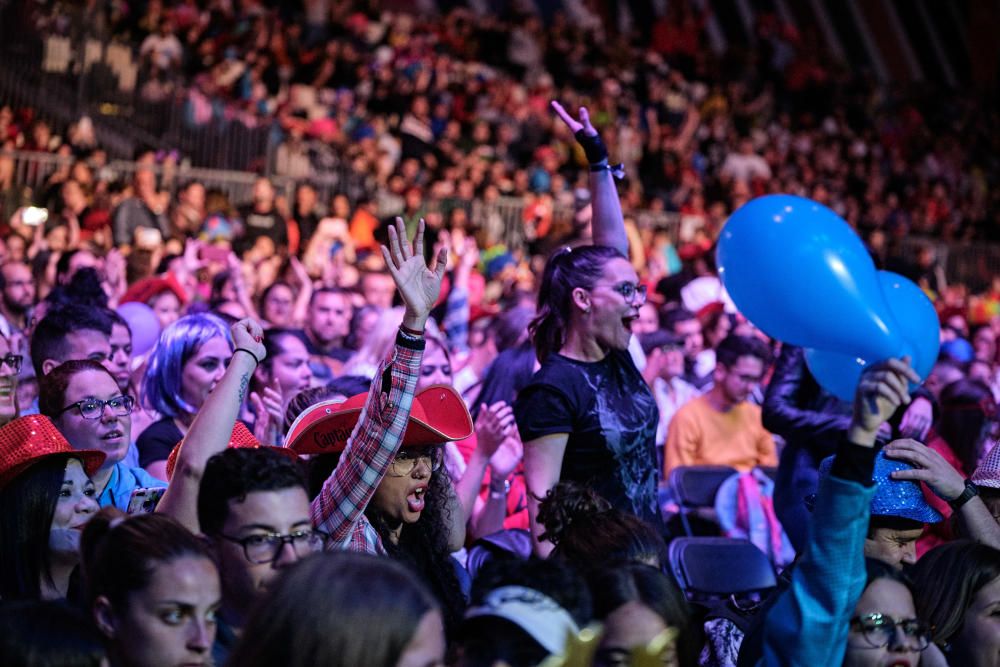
611,417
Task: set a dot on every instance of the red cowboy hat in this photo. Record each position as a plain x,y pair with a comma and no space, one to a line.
28,440
438,414
241,438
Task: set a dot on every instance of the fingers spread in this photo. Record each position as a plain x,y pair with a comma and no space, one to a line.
442,263
404,242
418,241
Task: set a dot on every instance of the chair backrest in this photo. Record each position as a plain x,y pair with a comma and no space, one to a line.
770,471
510,544
695,486
720,567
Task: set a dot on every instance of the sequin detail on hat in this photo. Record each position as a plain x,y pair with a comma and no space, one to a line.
28,439
894,497
988,473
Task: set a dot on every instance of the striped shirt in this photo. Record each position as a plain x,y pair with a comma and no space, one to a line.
340,508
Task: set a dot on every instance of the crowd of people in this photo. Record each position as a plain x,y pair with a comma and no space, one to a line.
219,419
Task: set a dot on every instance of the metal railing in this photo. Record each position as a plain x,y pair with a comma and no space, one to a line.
972,264
502,219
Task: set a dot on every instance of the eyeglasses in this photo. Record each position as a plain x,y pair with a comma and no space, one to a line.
630,290
13,362
879,630
406,461
265,548
93,408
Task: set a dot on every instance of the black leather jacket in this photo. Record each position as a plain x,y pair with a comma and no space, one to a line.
800,411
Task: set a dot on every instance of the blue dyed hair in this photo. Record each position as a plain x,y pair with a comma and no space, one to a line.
161,388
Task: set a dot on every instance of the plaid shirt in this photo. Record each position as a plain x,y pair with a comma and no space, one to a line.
340,508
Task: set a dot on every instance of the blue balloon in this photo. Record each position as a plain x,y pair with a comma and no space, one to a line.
916,319
837,373
915,322
799,273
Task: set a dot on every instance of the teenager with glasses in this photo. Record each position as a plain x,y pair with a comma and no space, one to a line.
588,416
84,402
885,629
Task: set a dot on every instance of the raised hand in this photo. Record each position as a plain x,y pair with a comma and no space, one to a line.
573,124
917,419
881,390
249,335
492,426
507,457
418,285
585,133
270,415
928,467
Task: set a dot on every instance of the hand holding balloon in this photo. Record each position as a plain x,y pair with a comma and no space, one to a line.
801,274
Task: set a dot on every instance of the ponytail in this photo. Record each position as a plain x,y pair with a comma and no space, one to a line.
566,270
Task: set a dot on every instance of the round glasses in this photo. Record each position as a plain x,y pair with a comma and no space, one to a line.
879,630
406,461
631,292
93,408
264,548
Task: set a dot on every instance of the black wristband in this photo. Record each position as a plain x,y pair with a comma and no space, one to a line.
592,145
854,463
971,491
243,349
410,342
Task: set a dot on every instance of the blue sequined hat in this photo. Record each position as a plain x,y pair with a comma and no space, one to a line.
894,497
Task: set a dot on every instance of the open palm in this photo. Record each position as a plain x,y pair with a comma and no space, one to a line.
419,285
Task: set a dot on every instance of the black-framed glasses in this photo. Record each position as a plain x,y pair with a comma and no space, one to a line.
879,630
12,361
93,408
406,460
630,291
264,548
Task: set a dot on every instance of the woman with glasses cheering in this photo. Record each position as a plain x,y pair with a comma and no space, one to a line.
587,415
84,402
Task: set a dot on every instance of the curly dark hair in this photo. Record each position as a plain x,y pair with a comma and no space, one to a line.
588,532
236,472
423,546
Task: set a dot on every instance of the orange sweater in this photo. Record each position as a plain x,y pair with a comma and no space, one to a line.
701,435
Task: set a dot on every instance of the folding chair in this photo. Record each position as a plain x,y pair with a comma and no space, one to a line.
510,544
727,578
770,471
694,488
720,567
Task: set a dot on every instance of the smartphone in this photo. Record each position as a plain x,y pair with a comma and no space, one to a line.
336,247
34,216
145,500
213,253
